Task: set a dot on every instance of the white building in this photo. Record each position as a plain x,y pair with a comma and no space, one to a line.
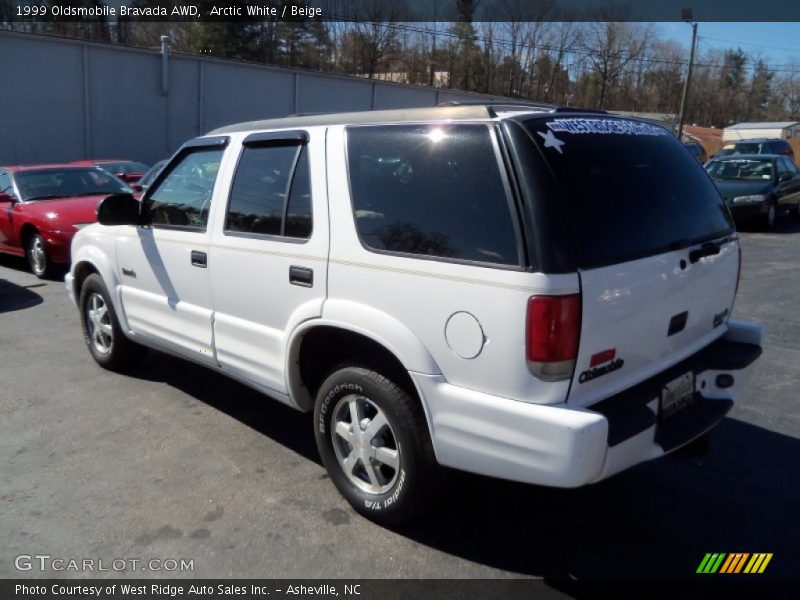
747,131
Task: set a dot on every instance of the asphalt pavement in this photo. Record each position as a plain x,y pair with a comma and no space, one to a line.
176,462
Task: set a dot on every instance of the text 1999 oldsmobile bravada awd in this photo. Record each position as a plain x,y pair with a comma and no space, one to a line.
535,294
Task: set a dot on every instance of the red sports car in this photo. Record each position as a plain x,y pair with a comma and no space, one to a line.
127,170
42,206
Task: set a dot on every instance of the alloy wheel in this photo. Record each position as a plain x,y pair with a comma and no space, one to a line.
365,444
98,324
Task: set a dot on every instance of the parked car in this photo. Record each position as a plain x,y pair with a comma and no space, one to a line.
757,187
756,146
42,206
140,187
475,287
697,150
127,170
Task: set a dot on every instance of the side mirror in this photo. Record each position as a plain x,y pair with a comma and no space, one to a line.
137,188
5,198
119,209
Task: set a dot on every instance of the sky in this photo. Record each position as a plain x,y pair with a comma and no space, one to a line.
776,43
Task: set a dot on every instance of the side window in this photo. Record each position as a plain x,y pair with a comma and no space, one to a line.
5,184
182,198
791,166
783,168
433,190
271,194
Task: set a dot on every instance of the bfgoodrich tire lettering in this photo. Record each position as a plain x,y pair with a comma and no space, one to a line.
109,346
374,441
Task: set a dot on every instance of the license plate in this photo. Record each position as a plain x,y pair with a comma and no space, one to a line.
677,394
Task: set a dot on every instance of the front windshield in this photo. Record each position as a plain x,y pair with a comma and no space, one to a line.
68,182
742,169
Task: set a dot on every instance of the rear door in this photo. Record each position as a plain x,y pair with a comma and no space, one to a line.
269,253
657,254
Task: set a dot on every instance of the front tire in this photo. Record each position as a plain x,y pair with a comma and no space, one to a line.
38,260
373,439
107,343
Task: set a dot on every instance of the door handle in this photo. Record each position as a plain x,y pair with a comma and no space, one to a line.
301,276
199,259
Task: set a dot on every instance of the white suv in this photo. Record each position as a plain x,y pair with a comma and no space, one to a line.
535,294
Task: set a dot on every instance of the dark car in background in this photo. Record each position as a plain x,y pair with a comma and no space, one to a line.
697,150
43,206
757,187
128,171
756,146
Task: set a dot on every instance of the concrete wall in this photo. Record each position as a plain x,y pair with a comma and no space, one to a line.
65,99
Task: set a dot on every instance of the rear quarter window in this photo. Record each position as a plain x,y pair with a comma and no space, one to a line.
433,191
629,188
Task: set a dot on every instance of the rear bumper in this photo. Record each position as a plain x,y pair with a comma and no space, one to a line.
564,446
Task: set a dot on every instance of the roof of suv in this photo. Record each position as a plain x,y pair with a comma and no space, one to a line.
442,112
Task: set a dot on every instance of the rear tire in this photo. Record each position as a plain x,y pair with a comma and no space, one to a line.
107,343
374,441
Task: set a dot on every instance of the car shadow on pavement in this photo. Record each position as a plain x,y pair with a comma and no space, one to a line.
18,263
265,415
655,521
16,297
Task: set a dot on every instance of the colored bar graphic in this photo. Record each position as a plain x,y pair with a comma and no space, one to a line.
729,563
723,563
765,563
741,562
703,563
716,565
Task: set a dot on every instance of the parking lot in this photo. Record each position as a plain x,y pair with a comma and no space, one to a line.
177,462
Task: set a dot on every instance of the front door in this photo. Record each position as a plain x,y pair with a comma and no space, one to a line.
164,266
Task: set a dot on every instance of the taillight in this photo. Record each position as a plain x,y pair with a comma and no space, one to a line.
551,335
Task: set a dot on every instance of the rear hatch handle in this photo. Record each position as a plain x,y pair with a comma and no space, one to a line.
707,249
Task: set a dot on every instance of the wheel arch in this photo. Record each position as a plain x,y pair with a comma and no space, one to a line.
26,232
318,345
89,260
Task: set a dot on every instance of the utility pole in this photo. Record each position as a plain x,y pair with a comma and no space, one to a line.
687,16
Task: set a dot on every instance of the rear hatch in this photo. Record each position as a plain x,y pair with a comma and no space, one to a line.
654,246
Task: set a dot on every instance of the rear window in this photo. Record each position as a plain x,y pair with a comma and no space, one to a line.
431,190
749,148
631,190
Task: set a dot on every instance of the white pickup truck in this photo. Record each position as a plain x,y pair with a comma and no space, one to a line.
531,293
